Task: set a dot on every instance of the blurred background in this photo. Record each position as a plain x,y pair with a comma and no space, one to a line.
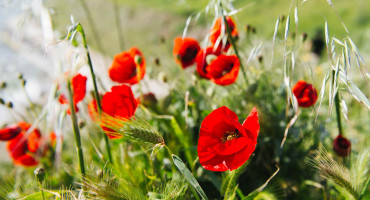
30,30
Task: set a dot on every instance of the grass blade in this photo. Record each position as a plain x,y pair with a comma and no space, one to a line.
188,176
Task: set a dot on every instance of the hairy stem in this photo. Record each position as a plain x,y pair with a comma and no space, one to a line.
96,92
76,130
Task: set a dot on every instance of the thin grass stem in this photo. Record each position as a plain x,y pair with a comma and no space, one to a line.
92,25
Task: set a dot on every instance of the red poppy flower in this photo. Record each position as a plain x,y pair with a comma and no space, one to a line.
220,30
342,146
204,57
305,93
128,67
224,69
79,91
224,143
185,51
9,132
22,148
120,102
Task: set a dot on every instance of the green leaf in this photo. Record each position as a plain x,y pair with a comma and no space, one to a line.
356,92
188,176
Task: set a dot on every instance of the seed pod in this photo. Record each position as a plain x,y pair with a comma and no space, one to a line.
9,104
20,76
304,36
40,174
2,84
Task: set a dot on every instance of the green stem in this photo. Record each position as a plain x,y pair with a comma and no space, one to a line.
230,37
80,29
76,130
42,191
337,108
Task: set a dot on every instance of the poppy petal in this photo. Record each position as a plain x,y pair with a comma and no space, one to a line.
252,125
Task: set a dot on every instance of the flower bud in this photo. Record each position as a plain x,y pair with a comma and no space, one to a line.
342,146
2,101
2,84
148,100
20,76
304,36
157,62
9,104
40,174
138,59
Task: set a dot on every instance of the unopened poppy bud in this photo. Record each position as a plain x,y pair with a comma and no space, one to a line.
260,59
40,174
148,100
236,37
178,57
210,58
20,76
162,39
282,18
304,36
162,77
157,62
2,85
81,124
2,101
138,59
254,30
248,28
342,146
24,82
9,104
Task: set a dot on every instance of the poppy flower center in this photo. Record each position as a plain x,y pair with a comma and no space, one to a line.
190,54
230,135
227,69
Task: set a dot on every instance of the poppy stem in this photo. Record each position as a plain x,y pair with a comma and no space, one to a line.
231,39
76,130
80,29
337,108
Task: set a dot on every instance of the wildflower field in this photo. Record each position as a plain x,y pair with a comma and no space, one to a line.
184,99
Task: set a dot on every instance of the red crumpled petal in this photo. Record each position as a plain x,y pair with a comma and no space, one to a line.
9,132
214,152
185,51
120,102
201,60
124,69
305,93
78,87
220,26
224,69
252,125
27,161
